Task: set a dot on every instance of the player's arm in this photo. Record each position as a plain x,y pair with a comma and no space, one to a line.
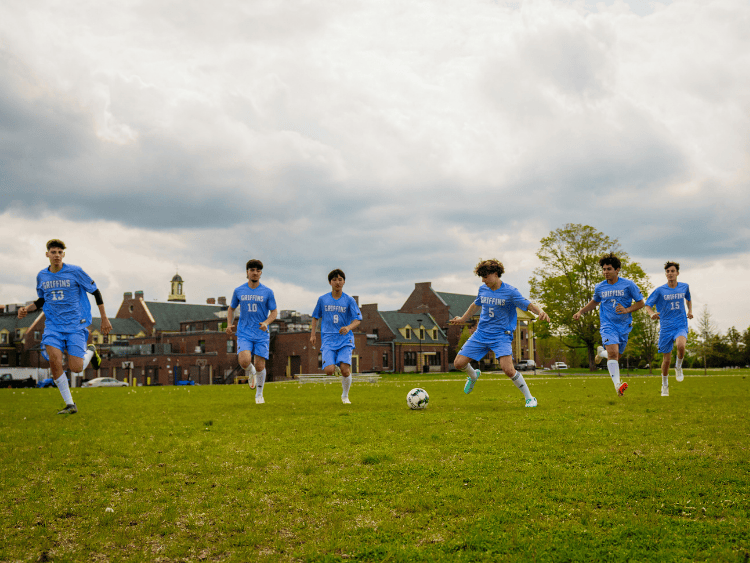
271,317
106,326
230,321
351,326
38,304
470,312
538,311
632,309
590,306
689,309
313,331
651,313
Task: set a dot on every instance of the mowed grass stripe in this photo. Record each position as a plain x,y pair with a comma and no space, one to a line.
205,474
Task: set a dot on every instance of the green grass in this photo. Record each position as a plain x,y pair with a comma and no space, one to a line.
204,474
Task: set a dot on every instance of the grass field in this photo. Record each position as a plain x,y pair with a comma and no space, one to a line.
204,474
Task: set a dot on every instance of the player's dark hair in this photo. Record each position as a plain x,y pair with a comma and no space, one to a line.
254,263
55,243
487,267
335,274
610,259
670,263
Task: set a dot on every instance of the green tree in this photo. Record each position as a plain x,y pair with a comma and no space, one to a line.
565,282
706,334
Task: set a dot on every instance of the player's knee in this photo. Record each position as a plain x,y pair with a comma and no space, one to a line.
75,364
460,362
329,369
346,371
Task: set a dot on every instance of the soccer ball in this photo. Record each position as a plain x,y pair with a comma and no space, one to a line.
417,399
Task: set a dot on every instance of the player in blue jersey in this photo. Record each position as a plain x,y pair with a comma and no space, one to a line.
497,302
257,310
673,308
618,298
63,296
339,315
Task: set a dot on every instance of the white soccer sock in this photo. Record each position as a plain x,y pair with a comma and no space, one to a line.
470,370
664,380
346,383
62,385
521,384
678,363
614,372
260,380
87,359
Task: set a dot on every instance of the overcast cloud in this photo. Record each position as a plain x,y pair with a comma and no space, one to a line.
398,141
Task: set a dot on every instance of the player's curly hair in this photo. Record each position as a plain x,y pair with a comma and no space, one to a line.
486,267
610,259
254,263
335,274
55,243
670,263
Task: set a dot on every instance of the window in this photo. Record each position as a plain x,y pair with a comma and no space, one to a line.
18,334
421,334
202,345
230,346
4,360
385,360
320,361
36,335
434,359
408,334
3,337
434,334
410,358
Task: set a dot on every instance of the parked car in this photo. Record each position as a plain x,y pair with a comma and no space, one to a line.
105,382
7,381
525,365
559,365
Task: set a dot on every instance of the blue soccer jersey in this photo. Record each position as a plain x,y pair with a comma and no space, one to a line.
669,302
498,314
66,303
622,292
254,307
336,314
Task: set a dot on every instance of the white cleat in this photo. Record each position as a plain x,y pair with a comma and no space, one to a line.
678,374
665,391
531,402
259,400
346,400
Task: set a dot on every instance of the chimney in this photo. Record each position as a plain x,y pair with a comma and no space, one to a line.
211,301
139,294
356,299
127,295
222,300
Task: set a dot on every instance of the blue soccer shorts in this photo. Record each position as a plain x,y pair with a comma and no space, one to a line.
338,357
74,343
668,336
476,350
610,336
256,347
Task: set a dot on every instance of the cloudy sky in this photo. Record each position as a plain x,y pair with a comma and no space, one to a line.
400,141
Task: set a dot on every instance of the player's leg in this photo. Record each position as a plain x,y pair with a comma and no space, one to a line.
329,361
77,349
506,364
471,350
680,343
53,344
611,343
344,361
245,358
666,341
261,355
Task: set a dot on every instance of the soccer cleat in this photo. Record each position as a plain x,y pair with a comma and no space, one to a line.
531,402
252,369
664,391
337,371
251,377
346,400
69,409
678,374
469,387
621,389
96,359
259,400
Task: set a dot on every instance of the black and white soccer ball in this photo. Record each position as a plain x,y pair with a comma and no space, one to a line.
417,399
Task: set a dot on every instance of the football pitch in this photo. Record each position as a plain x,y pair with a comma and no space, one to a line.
205,474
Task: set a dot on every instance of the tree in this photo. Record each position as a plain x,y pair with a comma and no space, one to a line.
706,333
645,337
565,282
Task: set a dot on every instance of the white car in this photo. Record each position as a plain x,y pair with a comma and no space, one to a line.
105,382
559,365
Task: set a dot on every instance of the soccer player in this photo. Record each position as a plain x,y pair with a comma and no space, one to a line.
670,300
618,298
339,316
497,323
62,290
257,311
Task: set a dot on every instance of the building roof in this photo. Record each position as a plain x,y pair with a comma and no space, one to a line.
177,278
169,315
457,303
10,321
396,320
129,327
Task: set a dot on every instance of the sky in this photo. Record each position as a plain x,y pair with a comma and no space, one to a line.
399,141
